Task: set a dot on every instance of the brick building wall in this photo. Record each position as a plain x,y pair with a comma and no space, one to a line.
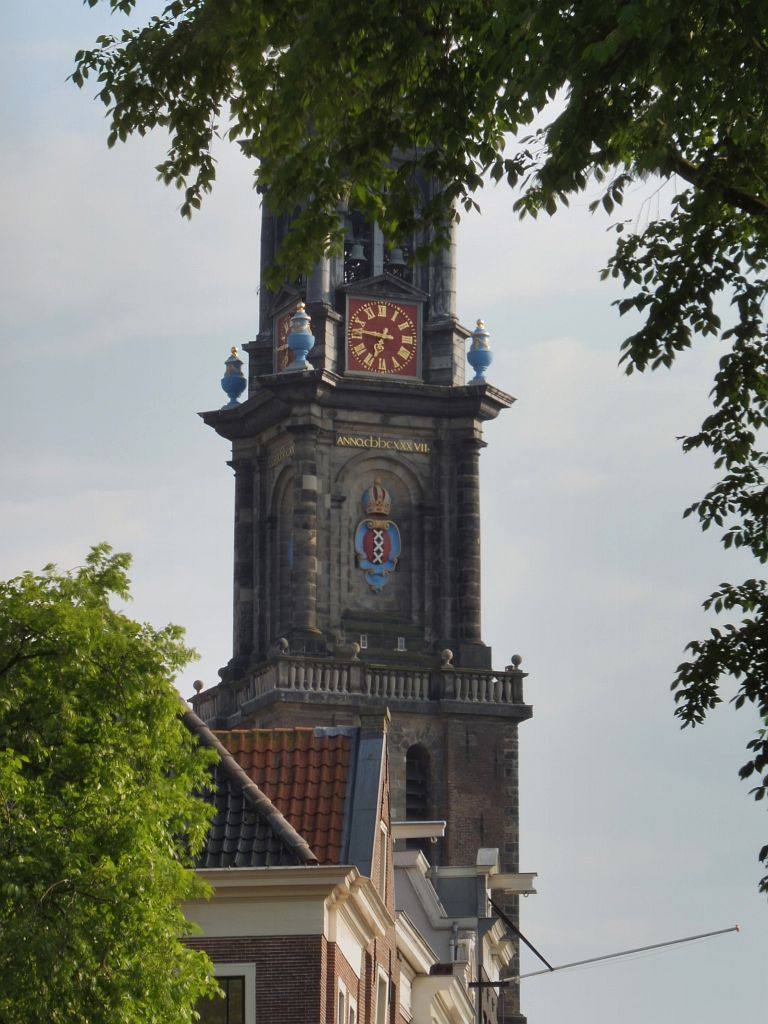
297,977
473,782
291,973
473,769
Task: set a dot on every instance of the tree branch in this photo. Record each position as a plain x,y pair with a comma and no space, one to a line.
18,658
698,177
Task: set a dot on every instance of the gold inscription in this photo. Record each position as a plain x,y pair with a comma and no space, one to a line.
280,454
391,444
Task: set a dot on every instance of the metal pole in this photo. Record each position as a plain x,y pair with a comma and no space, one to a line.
627,952
511,924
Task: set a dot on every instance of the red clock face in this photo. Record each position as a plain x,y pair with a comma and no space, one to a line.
283,355
382,337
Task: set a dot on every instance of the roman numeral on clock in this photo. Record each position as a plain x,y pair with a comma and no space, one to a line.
381,336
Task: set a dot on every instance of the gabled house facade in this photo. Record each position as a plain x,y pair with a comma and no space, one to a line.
304,921
314,918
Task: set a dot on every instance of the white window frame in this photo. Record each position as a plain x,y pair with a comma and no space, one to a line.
383,858
352,1011
247,971
381,1015
342,1003
363,641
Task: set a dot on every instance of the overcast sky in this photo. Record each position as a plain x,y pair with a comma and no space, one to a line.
117,319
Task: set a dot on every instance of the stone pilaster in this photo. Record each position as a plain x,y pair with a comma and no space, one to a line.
444,597
243,605
261,560
326,330
442,281
468,473
305,514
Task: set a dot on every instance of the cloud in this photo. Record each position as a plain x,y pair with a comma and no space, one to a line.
559,255
100,251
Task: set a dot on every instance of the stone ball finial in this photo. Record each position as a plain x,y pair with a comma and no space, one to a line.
516,660
198,685
446,657
283,645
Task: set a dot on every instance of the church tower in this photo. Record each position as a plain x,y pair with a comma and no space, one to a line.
357,532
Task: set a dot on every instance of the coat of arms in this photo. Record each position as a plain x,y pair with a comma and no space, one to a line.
377,538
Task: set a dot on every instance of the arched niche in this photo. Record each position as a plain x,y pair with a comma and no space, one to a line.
402,598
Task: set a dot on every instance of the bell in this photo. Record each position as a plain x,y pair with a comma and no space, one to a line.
357,252
396,258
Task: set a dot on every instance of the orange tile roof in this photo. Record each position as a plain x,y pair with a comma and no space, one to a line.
247,829
304,772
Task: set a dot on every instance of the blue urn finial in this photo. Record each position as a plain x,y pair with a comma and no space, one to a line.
479,355
301,341
233,382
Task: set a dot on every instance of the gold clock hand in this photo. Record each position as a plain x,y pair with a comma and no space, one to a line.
383,335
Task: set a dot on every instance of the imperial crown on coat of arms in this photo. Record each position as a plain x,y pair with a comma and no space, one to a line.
377,538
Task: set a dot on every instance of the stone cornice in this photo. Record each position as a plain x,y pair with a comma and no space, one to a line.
282,394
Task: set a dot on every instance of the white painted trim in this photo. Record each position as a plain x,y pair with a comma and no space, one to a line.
418,829
342,1003
423,888
442,992
334,883
521,883
381,1017
384,847
412,859
412,945
350,938
288,879
290,901
248,971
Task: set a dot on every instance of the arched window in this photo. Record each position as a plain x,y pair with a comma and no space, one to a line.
366,255
417,784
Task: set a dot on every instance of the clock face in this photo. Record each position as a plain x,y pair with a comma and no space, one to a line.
382,337
283,355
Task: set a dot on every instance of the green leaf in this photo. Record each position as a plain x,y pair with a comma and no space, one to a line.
100,821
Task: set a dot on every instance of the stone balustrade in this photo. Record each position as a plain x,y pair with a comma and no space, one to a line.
206,705
356,679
